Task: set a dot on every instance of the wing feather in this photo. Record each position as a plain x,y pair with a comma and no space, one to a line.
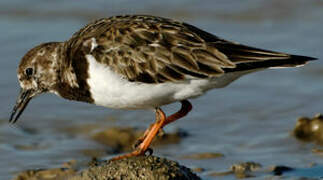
150,49
155,50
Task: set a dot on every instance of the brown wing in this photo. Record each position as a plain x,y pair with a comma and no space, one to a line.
155,50
150,49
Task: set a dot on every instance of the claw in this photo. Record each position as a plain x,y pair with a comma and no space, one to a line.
150,151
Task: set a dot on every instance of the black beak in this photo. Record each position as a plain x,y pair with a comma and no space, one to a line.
22,101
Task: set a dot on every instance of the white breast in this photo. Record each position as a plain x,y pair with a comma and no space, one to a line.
110,89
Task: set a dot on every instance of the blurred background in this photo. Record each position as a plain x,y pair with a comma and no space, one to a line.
250,120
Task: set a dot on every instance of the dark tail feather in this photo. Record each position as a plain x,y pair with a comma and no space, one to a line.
248,58
291,61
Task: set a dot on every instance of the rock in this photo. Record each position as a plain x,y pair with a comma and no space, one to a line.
198,169
245,169
312,172
206,155
122,139
141,168
279,170
240,170
62,173
309,129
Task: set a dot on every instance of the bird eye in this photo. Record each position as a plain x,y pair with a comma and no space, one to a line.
29,71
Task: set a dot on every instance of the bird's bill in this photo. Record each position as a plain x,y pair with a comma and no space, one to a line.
22,102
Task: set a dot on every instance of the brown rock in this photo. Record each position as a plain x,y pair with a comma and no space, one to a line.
122,139
48,174
206,155
240,170
245,169
137,168
309,129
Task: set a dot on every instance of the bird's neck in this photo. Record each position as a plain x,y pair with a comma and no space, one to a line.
72,77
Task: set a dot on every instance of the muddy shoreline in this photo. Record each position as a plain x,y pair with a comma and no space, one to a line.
120,140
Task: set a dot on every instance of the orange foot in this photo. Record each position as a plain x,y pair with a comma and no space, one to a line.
161,120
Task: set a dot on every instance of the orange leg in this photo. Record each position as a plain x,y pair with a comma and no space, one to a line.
152,131
185,109
143,146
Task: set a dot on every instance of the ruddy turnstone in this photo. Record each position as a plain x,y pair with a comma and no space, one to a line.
140,62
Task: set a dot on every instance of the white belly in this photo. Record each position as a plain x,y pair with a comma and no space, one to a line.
111,90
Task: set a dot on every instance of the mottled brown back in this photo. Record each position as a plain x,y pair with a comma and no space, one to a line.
154,50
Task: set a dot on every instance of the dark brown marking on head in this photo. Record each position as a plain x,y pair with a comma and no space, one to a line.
42,60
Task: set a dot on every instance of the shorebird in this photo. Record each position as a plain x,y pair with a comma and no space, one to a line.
140,62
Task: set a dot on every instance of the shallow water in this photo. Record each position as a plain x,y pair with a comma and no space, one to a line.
250,120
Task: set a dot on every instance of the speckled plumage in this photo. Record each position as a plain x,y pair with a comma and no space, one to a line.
145,62
155,50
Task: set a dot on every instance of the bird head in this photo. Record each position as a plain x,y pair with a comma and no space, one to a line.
37,74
